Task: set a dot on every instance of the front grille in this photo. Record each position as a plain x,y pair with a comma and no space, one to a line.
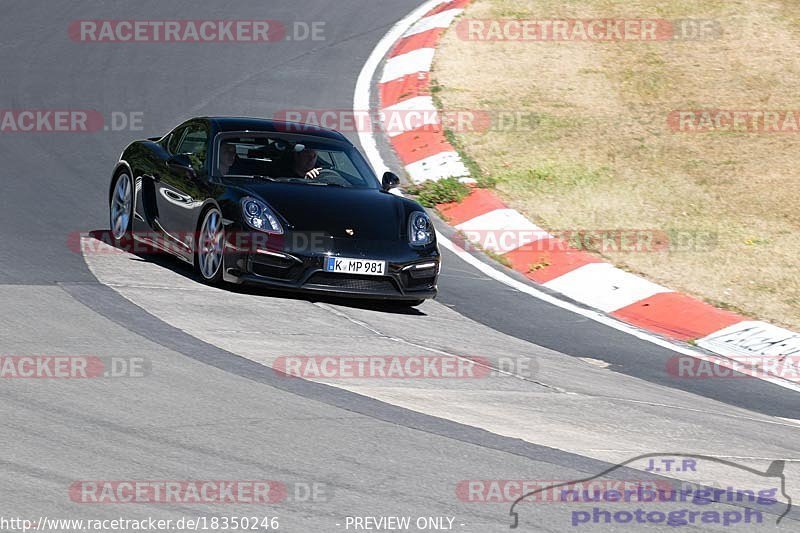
357,283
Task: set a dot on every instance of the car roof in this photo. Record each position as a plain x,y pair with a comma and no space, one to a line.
223,124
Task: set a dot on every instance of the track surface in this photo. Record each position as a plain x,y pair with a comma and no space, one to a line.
210,409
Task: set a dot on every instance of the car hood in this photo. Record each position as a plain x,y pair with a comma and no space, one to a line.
368,213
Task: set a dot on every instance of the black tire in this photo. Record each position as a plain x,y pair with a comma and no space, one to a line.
210,270
120,210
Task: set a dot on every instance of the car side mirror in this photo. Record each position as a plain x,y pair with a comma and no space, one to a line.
181,163
390,181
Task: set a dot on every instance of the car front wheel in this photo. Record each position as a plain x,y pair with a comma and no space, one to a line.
209,248
121,209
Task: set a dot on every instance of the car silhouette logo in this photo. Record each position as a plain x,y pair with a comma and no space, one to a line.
350,231
775,470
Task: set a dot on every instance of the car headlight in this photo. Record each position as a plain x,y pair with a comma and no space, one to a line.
259,216
420,229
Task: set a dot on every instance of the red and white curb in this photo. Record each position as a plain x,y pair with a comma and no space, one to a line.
586,279
405,86
617,298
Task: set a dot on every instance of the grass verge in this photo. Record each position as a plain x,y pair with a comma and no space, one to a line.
600,153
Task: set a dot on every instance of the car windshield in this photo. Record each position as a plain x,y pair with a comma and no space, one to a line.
311,161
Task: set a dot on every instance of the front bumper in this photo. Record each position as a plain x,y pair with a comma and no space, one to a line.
293,263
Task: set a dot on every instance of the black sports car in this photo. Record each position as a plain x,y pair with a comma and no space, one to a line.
278,203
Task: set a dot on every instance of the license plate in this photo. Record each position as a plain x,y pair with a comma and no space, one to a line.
347,265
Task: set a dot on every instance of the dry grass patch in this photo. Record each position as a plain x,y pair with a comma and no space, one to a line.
602,156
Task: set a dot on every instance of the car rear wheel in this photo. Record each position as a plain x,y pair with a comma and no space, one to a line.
210,246
121,208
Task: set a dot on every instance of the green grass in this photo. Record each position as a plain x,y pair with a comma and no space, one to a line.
552,175
431,193
503,260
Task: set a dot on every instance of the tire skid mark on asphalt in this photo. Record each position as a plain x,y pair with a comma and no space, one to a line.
436,350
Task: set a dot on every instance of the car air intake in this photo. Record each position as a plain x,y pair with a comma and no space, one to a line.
357,283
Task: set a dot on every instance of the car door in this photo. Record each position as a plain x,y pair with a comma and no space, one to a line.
180,190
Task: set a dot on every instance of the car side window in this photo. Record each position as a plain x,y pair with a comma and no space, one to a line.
175,139
195,145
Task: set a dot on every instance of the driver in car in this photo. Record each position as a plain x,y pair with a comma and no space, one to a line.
227,159
304,164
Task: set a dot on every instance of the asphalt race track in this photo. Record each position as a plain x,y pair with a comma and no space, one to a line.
210,408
